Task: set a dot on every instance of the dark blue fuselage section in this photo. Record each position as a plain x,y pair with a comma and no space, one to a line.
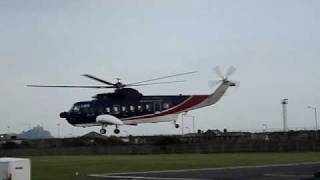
122,106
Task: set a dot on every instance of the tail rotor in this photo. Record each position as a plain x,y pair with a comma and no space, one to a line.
224,78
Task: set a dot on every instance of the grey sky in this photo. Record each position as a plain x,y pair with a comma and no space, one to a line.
275,46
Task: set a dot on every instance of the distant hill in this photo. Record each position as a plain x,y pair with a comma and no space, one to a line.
36,133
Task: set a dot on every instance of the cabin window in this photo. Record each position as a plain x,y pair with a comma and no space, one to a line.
132,108
140,108
108,110
124,109
148,107
166,106
116,109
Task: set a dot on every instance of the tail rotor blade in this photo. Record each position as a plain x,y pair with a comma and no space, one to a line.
218,71
230,71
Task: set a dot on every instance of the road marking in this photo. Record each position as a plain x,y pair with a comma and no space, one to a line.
211,169
288,175
139,177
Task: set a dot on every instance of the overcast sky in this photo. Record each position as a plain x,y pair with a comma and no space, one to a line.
275,46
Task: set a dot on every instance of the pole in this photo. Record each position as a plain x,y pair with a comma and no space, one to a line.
182,123
284,114
193,125
58,125
316,119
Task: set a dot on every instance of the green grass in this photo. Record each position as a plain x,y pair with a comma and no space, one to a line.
64,167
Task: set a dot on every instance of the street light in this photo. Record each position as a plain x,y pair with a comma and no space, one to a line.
284,103
315,117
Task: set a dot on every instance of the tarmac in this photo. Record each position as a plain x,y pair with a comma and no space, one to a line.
303,171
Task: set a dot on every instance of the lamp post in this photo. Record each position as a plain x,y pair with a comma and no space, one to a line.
193,123
315,118
284,103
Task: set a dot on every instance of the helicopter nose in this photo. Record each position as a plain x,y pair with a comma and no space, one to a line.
64,115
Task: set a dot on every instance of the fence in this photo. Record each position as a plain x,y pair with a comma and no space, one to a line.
219,147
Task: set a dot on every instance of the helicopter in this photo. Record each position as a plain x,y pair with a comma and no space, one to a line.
127,106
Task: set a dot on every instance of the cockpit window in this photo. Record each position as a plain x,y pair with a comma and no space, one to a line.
75,108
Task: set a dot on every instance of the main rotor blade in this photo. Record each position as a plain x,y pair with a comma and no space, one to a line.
170,82
97,79
230,71
164,77
218,71
94,87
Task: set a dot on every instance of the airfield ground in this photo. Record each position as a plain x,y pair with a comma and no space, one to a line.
65,167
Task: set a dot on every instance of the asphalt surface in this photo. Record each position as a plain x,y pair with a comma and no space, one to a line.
302,171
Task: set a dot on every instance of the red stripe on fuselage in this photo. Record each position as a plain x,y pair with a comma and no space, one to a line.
195,100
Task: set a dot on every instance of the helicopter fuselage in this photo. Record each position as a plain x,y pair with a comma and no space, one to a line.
132,108
131,111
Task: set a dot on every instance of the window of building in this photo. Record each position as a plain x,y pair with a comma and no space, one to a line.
140,108
108,110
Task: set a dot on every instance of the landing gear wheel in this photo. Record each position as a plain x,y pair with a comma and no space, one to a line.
103,131
116,131
176,126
